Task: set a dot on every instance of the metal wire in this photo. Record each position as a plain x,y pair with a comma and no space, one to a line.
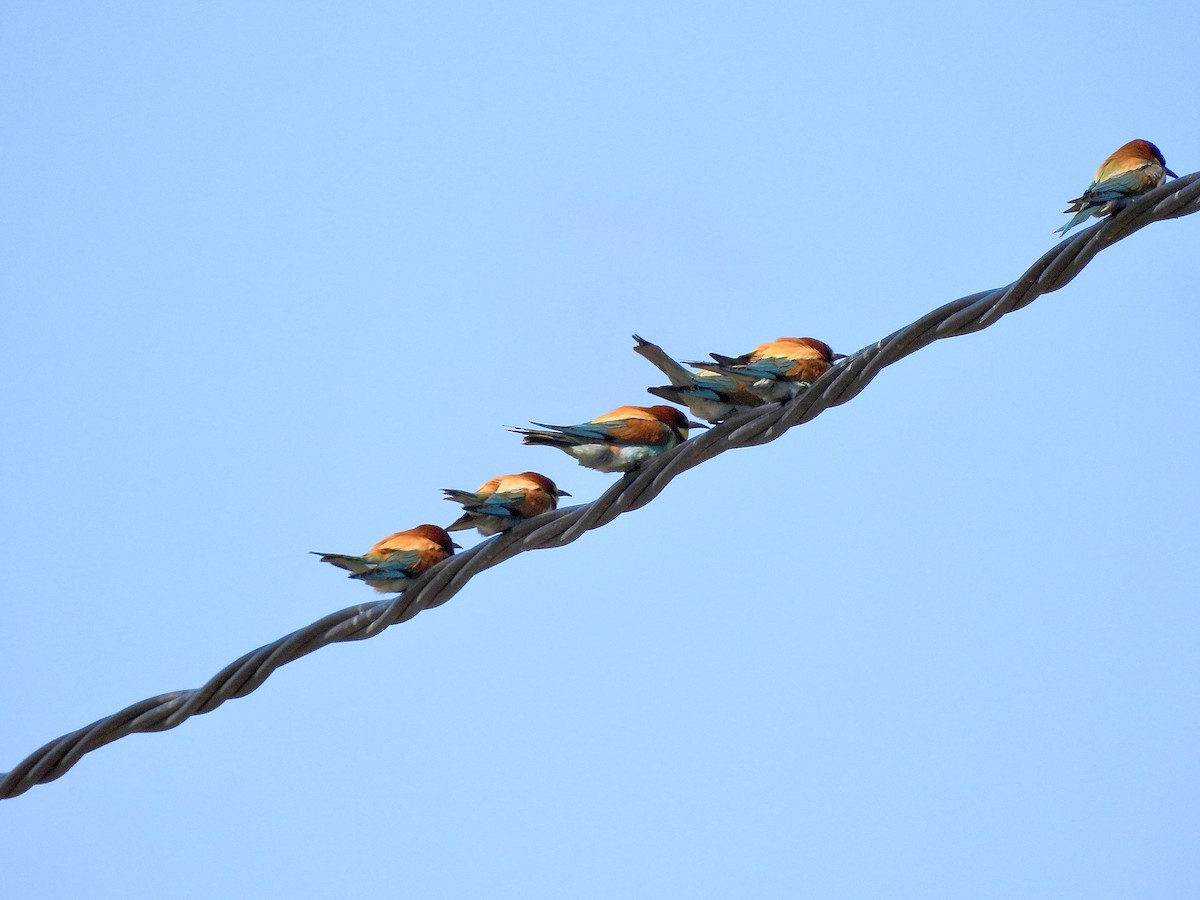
634,490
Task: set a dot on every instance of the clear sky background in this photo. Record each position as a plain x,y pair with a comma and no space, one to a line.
274,274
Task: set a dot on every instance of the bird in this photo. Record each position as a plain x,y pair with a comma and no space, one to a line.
1133,169
501,502
395,561
709,395
777,370
618,441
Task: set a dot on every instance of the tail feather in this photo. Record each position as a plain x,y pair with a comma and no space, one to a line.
669,392
464,523
465,498
355,564
1082,216
533,438
657,357
729,360
1094,203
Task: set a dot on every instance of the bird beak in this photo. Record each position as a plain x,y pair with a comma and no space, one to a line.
456,546
838,356
692,425
563,494
1169,172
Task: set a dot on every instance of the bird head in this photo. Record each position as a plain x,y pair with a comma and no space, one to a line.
439,536
797,348
821,347
546,485
1147,151
673,418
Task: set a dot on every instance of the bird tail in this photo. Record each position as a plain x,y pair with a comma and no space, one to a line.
355,564
464,498
1082,215
463,523
535,438
1074,206
670,392
657,357
729,360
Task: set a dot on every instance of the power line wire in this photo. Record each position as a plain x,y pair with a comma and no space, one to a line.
756,426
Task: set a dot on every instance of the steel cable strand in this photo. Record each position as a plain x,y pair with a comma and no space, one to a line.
841,384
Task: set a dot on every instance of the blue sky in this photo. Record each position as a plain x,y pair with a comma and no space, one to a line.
277,273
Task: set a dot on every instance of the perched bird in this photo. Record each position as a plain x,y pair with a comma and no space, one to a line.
709,395
396,560
617,441
504,500
777,370
1135,168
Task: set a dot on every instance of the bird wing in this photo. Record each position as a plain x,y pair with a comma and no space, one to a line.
769,367
1120,164
400,561
707,380
405,552
625,424
499,504
1117,187
773,368
588,431
490,486
636,431
630,431
1127,183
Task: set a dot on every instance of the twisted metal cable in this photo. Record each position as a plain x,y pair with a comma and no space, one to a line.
632,491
